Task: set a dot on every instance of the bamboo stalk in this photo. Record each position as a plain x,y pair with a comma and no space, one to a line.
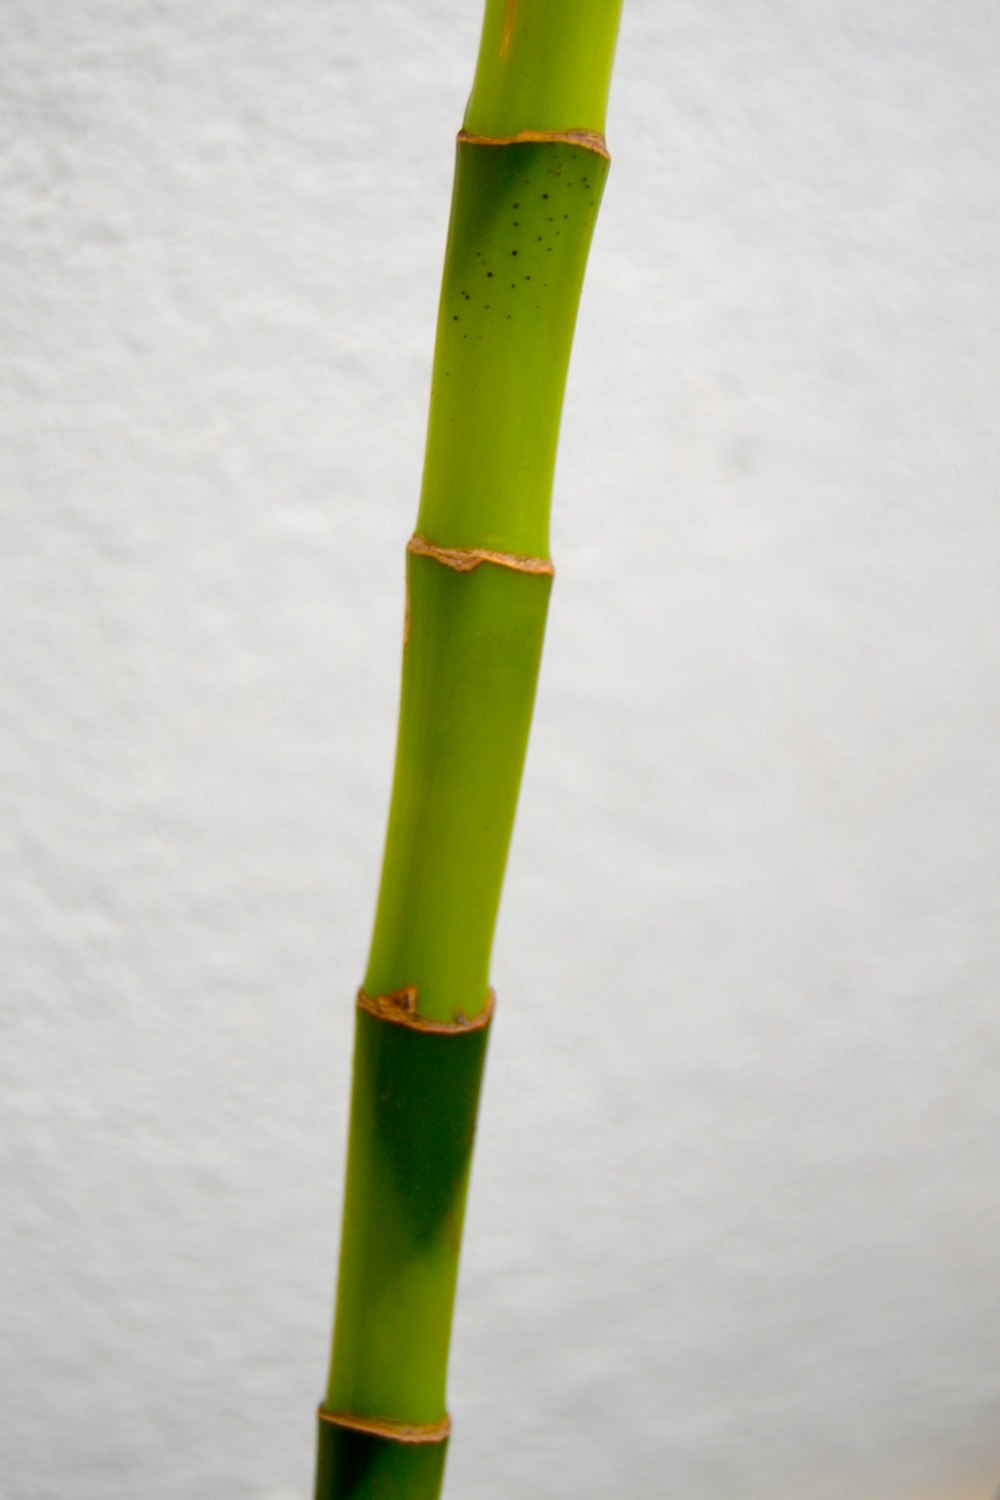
531,165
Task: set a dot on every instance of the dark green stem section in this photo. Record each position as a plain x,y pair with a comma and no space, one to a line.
522,217
363,1466
413,1118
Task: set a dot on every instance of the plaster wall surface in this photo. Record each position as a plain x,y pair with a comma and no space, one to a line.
735,1218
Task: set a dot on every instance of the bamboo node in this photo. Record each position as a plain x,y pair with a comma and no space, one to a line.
465,559
400,1008
385,1427
589,140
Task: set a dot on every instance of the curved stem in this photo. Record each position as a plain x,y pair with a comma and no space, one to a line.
530,171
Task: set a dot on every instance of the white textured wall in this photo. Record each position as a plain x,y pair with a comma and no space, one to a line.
735,1224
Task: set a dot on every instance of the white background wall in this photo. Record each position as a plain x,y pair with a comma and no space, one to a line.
735,1220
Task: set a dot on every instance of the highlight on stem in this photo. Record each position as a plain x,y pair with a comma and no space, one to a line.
530,170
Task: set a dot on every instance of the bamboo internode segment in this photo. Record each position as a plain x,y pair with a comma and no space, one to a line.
465,559
589,140
383,1427
414,1100
400,1009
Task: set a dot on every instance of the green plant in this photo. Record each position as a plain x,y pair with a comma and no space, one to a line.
530,171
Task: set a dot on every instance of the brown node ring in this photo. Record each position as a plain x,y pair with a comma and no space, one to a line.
400,1008
589,140
465,559
396,1432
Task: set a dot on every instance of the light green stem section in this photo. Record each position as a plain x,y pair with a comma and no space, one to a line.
543,65
469,675
522,217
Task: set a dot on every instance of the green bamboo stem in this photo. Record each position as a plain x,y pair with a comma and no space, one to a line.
530,171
